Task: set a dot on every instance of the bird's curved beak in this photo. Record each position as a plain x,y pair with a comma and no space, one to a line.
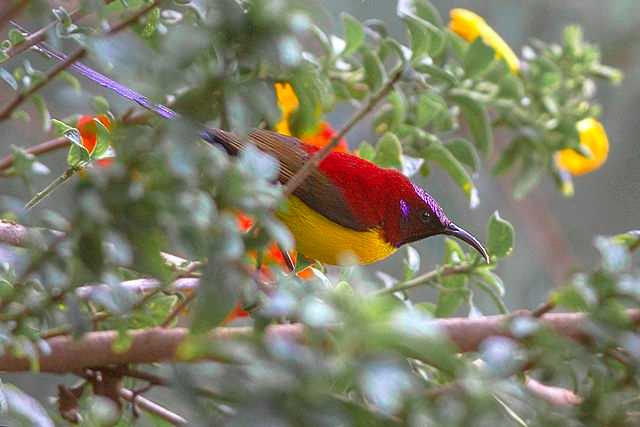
465,236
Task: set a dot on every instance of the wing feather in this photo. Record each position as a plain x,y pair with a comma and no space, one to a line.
317,191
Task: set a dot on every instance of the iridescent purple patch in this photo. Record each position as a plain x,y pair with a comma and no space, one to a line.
404,209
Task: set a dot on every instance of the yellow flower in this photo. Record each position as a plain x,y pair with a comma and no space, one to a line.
288,103
594,139
470,26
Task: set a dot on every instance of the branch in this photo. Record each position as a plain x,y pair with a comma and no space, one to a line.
51,187
444,271
319,156
161,344
36,37
51,74
54,144
69,60
555,395
152,407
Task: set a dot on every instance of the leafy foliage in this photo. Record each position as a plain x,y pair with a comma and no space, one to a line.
370,356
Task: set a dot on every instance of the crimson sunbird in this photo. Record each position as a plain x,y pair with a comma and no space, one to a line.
348,205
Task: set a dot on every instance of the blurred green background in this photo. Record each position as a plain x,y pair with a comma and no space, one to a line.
554,234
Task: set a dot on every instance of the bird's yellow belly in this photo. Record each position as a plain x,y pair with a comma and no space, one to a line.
319,238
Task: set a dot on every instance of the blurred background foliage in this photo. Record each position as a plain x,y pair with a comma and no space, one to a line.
188,205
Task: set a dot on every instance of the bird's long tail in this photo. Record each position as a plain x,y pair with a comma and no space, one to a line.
212,136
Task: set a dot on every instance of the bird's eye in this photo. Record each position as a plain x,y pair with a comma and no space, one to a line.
426,216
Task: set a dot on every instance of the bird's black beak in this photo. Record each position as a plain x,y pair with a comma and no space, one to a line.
465,236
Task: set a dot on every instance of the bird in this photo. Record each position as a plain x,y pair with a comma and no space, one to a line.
348,210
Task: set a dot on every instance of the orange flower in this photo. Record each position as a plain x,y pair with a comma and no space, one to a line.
323,136
470,26
87,127
593,138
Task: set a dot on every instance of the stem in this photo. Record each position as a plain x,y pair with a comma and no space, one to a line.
54,144
178,309
319,156
543,309
51,187
22,96
152,407
427,278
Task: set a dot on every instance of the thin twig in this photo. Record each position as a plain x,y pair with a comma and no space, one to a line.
57,69
53,185
135,17
152,407
53,144
178,309
36,37
319,156
426,278
543,309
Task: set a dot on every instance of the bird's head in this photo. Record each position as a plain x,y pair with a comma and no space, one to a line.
413,214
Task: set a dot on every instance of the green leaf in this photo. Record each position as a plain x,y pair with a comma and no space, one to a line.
464,152
43,111
425,38
100,105
491,279
15,37
398,108
511,87
450,300
500,236
438,153
478,119
438,74
430,105
77,156
458,45
217,296
478,58
373,70
8,78
528,177
453,253
508,157
411,263
427,11
419,37
388,151
366,151
570,298
103,140
61,128
354,34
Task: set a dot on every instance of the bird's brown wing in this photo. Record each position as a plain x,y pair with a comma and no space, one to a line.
317,191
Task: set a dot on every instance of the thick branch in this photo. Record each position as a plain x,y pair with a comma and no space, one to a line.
160,344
